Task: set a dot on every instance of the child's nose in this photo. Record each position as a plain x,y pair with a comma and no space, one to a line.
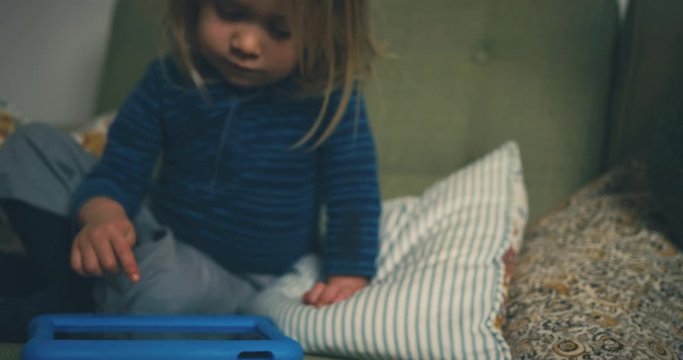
246,44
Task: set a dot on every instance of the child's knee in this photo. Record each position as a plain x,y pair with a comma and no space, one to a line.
166,298
162,292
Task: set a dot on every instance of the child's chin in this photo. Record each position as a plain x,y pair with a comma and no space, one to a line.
247,83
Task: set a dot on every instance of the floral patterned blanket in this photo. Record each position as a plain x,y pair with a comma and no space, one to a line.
599,278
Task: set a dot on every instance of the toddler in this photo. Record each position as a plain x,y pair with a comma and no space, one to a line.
220,162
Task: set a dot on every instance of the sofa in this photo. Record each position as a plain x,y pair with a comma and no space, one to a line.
580,89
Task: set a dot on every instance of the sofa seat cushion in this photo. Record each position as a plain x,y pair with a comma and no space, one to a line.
599,278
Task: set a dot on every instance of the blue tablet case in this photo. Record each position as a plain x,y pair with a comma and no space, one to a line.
136,337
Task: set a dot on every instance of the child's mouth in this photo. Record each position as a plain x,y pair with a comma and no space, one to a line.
240,69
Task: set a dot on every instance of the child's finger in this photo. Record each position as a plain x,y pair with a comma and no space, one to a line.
129,234
91,264
343,294
329,295
125,255
312,296
105,256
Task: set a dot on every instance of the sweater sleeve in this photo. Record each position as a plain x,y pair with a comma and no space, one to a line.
350,191
124,172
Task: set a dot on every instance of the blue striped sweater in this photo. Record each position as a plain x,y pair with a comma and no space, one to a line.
228,182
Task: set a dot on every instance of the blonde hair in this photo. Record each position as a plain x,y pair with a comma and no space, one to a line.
333,43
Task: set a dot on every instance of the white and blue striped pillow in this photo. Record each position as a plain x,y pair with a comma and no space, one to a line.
440,281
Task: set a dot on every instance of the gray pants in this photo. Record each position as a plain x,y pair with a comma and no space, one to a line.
42,166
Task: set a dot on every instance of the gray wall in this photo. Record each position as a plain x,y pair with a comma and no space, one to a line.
51,53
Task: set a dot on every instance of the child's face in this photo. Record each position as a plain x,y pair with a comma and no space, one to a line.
248,41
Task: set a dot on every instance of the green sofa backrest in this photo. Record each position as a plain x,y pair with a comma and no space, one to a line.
462,76
649,75
469,74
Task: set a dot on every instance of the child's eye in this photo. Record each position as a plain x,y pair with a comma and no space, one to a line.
227,11
279,32
230,15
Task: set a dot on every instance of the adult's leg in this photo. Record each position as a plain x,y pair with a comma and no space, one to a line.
42,166
18,277
46,237
70,295
41,281
39,170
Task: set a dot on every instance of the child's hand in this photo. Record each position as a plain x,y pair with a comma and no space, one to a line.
337,288
105,241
